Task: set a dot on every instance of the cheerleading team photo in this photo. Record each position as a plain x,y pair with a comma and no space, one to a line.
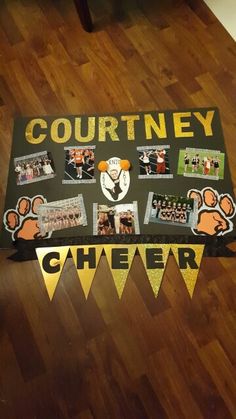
154,162
117,219
58,215
79,165
201,163
34,168
171,209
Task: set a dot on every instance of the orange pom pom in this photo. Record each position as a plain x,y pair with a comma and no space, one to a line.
125,164
102,166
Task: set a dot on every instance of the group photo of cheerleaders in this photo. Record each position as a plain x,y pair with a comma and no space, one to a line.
59,215
79,164
172,209
34,167
118,219
201,163
154,162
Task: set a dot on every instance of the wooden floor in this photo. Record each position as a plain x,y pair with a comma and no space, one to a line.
140,357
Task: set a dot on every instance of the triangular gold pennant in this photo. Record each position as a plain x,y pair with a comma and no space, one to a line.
86,259
188,258
154,257
51,261
120,257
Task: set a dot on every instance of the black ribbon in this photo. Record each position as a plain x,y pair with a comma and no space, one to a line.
214,246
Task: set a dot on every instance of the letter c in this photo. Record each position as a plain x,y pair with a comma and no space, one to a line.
47,267
30,131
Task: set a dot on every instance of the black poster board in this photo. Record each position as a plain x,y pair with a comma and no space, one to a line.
127,136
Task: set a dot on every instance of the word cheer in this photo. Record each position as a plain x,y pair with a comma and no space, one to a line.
120,258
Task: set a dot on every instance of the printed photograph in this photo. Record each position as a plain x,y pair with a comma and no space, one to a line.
116,219
34,167
58,215
171,209
201,163
79,165
154,162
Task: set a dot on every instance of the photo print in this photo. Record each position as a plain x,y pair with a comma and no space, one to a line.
117,219
171,209
201,163
34,168
79,164
154,162
58,215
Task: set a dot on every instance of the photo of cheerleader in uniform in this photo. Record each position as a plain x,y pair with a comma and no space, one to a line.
59,215
154,162
173,210
118,219
79,165
34,168
201,163
146,161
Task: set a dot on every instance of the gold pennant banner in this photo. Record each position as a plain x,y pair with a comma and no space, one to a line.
188,258
120,258
86,259
154,257
51,261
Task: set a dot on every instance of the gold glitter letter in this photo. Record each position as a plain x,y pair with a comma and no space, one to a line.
66,130
179,125
29,131
150,124
90,131
108,124
130,125
206,122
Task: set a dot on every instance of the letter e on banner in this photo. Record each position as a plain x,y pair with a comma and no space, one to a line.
154,257
120,257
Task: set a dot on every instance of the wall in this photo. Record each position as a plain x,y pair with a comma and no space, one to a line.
225,11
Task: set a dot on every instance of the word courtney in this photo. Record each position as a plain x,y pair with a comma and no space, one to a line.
151,126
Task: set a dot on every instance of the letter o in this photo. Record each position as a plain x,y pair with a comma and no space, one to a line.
55,130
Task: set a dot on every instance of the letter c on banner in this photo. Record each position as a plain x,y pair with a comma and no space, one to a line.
51,262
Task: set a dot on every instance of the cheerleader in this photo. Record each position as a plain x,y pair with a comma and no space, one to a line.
29,172
161,164
79,162
173,212
216,166
168,211
186,162
206,166
146,161
18,170
129,222
178,211
194,164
